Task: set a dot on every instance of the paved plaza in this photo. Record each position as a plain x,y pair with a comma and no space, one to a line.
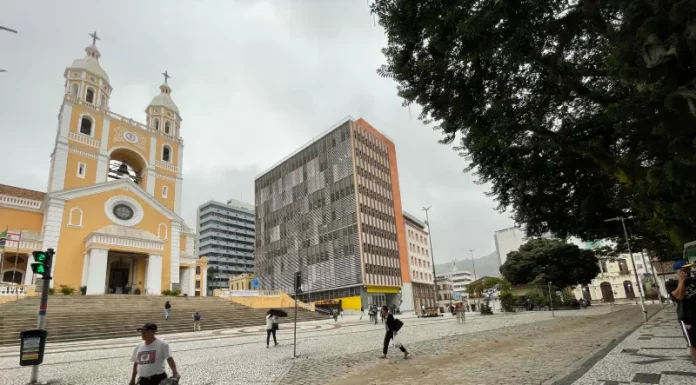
521,348
655,353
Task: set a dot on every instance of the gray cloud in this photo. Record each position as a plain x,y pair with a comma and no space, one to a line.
253,81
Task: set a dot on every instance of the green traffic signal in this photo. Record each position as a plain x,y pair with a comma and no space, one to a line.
38,268
39,256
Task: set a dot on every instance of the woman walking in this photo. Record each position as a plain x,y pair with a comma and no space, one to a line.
167,310
271,327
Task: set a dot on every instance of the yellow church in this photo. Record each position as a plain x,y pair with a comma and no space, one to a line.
112,207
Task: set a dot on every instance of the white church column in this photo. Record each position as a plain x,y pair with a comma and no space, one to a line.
184,278
103,158
174,240
59,162
150,178
154,275
96,279
191,282
53,220
85,270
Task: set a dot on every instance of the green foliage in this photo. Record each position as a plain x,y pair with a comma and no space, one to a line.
542,260
137,291
478,288
166,292
170,293
66,290
507,301
51,291
176,293
486,310
573,112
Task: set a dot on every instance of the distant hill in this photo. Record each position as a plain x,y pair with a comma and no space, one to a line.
487,266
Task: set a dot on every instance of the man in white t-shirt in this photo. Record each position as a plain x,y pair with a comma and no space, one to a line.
149,357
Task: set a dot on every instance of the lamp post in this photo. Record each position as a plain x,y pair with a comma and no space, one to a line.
432,252
633,263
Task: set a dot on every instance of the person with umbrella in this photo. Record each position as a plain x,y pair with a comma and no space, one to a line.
272,324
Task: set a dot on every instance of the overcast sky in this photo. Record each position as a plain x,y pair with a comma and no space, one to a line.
254,80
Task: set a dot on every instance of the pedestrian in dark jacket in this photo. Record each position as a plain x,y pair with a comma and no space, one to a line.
392,325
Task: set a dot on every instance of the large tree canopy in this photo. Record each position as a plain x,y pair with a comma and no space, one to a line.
574,111
542,260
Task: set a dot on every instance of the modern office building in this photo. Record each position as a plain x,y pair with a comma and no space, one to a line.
226,238
508,240
332,211
421,290
445,295
459,279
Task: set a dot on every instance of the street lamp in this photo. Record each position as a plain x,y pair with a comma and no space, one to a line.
473,264
432,252
635,271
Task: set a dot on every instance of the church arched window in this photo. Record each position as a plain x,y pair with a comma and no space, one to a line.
75,218
155,123
162,231
166,153
90,95
167,126
86,124
74,90
102,101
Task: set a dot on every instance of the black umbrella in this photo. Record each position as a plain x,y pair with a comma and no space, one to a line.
279,313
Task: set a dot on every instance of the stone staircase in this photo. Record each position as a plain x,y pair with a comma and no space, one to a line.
79,318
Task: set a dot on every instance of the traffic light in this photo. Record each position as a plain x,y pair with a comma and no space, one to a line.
298,282
42,263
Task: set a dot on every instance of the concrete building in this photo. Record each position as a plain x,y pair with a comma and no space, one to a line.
332,211
241,282
508,240
616,282
445,295
421,290
226,238
460,279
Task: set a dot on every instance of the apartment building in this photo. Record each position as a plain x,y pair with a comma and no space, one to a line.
421,290
332,211
226,237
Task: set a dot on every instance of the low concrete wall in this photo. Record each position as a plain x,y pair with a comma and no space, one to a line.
261,299
10,293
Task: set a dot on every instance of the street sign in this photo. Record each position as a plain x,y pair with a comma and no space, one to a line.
33,343
255,283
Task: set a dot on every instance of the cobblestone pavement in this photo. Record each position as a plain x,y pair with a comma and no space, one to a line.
656,353
525,353
327,350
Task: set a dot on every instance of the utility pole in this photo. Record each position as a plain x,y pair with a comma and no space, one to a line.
633,263
432,253
8,30
473,264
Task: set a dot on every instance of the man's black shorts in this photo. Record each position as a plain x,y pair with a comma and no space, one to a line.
688,327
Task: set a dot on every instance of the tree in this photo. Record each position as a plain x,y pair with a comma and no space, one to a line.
573,111
542,260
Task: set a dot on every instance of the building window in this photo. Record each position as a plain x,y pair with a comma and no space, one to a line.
164,191
167,126
162,231
81,170
123,212
90,95
166,153
102,101
75,217
155,123
75,90
86,124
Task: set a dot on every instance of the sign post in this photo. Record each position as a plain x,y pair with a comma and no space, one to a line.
43,264
551,300
298,285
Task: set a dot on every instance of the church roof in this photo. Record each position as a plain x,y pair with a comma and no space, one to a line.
164,100
90,64
21,192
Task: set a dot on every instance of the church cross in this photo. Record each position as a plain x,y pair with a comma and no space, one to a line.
166,76
94,37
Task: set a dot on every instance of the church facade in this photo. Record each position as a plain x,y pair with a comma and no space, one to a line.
112,206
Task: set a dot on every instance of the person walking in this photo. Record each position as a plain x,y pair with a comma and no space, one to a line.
459,311
271,327
392,325
196,321
167,310
683,291
362,313
149,357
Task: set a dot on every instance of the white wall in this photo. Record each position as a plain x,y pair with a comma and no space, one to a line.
508,240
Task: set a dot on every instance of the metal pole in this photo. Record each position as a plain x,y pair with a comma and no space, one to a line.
473,264
432,254
551,301
654,276
17,256
635,272
294,337
34,379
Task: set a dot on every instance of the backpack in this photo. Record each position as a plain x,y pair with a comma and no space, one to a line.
196,317
397,324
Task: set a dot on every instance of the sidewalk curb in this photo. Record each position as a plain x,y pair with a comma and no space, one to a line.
281,376
580,367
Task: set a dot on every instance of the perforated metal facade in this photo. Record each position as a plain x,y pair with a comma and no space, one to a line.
328,212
